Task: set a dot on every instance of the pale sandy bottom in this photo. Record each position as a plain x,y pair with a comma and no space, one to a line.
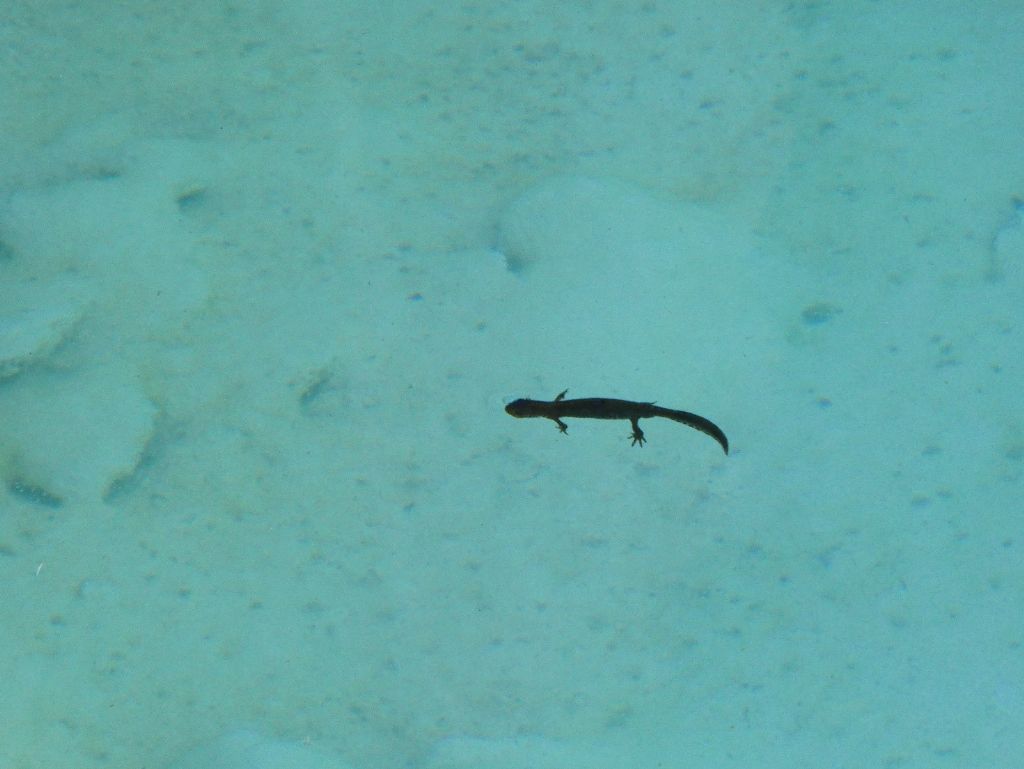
267,282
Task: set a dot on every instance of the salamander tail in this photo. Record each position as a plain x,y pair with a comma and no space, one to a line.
697,422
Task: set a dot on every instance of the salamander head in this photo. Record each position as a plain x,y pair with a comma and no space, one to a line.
518,408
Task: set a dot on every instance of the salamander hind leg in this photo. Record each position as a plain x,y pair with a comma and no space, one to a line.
638,434
562,426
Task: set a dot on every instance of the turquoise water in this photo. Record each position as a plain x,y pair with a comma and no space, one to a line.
268,277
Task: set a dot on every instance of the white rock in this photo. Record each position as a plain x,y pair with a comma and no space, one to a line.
245,749
73,434
1009,248
34,320
526,752
627,281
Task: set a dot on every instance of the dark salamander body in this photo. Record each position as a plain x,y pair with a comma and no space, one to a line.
612,408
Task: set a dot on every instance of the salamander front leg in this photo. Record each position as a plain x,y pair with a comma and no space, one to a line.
562,426
638,434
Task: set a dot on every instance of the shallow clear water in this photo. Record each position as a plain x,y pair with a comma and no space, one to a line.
268,277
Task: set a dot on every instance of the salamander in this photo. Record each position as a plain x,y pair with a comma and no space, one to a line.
611,408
